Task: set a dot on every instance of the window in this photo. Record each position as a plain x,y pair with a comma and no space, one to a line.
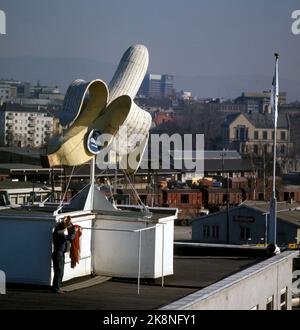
283,299
265,135
282,136
245,233
206,231
225,198
270,304
255,149
282,149
255,135
215,231
241,133
184,199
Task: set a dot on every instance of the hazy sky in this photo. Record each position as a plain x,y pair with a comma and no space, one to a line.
186,37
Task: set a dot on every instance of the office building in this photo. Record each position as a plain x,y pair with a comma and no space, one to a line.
157,86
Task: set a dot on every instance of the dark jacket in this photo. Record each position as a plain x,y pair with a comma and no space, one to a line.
60,239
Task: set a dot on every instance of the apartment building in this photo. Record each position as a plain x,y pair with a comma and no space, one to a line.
25,126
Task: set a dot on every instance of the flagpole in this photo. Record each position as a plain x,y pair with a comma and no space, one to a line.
273,202
275,124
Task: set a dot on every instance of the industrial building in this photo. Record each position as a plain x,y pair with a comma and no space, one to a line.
249,224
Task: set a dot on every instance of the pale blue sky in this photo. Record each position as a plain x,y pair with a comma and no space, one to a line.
184,37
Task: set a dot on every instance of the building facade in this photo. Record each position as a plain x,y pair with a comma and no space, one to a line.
6,93
25,127
249,224
157,86
259,102
254,133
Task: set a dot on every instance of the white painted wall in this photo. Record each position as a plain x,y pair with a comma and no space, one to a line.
84,267
116,252
26,248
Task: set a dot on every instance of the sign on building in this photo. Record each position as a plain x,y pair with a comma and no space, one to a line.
2,22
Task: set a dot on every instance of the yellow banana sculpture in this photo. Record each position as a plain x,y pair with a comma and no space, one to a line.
93,105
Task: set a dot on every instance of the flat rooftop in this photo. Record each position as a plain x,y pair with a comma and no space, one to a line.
191,273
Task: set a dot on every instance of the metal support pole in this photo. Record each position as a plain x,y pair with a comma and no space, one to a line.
266,230
273,203
139,261
162,257
92,180
227,212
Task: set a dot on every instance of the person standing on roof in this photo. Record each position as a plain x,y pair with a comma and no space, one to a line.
60,240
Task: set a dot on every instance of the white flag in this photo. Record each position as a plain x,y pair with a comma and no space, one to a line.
275,94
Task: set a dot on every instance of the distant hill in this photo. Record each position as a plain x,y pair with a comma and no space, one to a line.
61,71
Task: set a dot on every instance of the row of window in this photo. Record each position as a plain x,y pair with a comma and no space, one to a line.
266,148
28,143
282,149
33,128
26,114
242,134
211,231
270,301
184,199
24,136
265,135
42,122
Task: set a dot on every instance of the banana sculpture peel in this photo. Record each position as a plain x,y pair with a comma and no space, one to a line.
93,105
